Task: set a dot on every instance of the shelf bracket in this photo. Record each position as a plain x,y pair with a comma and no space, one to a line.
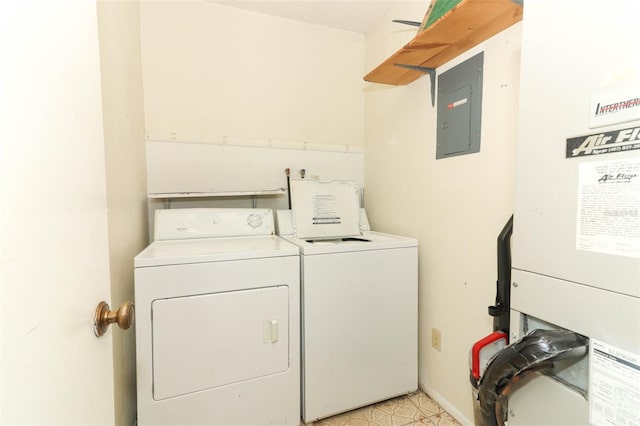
412,23
432,75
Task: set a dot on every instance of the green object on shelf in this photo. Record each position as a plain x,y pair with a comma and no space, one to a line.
439,9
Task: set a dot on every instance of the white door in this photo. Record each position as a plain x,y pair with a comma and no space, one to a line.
53,217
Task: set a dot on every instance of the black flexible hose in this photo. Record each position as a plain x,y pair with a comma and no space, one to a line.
535,352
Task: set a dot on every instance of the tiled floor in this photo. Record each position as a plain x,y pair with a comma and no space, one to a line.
414,409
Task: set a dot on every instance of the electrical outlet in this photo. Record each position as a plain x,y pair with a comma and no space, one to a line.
436,339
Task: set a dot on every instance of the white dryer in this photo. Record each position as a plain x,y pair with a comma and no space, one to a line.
217,333
359,320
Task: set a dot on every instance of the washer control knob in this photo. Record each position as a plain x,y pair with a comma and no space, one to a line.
254,220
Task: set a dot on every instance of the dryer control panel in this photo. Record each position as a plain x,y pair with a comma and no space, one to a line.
178,224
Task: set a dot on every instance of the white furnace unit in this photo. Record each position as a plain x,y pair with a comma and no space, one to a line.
217,335
576,235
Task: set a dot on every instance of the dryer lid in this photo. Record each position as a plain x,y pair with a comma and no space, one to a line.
203,250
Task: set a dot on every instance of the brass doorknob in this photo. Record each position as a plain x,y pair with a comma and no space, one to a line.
124,317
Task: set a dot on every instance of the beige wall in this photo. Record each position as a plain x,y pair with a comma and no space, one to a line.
126,177
212,70
455,207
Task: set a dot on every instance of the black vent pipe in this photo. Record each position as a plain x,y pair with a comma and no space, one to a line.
500,311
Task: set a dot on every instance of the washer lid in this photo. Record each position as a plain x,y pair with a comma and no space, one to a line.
370,240
200,250
325,210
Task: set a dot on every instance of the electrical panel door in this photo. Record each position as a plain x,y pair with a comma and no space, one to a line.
459,108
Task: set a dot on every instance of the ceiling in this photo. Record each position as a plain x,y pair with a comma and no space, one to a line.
350,15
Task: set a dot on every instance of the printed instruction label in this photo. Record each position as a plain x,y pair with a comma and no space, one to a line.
609,207
325,210
614,386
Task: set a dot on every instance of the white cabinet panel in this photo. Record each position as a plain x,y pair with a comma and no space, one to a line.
360,329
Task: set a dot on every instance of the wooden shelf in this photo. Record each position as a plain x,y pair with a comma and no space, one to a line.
466,25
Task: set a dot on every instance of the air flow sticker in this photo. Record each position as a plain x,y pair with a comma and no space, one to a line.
604,143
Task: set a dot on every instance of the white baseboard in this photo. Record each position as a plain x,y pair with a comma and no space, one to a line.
446,405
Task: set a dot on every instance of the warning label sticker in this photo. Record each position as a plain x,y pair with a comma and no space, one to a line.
452,105
614,385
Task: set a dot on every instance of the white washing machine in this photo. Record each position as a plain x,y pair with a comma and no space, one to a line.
359,320
217,332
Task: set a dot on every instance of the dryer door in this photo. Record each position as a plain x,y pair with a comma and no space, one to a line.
205,341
